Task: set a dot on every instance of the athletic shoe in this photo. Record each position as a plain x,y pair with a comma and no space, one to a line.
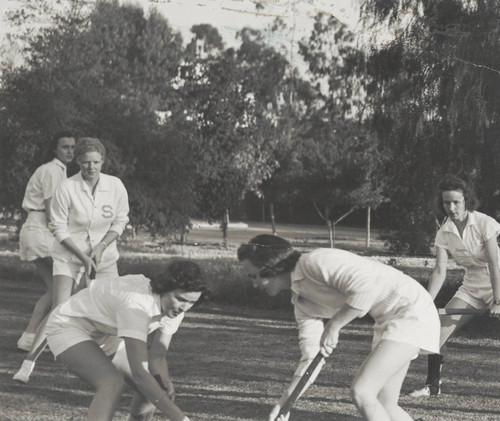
426,391
26,341
23,375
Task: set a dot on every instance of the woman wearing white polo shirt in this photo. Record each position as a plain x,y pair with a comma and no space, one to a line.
129,308
470,237
340,286
35,239
89,211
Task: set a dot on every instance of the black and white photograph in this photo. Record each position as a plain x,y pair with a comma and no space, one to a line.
249,210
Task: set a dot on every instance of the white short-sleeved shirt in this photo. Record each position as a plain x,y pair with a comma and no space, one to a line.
43,184
124,307
326,279
85,218
469,251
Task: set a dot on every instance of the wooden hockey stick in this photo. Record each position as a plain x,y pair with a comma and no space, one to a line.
461,311
299,388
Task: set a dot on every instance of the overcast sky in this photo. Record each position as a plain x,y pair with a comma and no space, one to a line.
229,16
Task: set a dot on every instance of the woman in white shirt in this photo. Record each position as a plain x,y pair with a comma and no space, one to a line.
127,308
470,237
89,211
341,286
35,239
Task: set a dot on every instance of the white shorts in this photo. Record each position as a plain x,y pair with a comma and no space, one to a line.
35,239
415,326
75,270
479,298
63,332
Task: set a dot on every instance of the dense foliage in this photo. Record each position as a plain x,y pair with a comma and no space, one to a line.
435,95
193,127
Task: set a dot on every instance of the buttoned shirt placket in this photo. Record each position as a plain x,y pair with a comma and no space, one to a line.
90,215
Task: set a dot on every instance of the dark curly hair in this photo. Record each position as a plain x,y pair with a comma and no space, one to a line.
451,182
273,254
180,274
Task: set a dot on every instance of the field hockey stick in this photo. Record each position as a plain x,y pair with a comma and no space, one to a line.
93,271
461,311
299,388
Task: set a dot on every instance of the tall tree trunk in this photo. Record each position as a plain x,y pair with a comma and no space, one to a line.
224,226
368,225
183,234
331,232
331,227
271,215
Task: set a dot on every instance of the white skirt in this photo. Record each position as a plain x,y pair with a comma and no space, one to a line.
35,239
414,325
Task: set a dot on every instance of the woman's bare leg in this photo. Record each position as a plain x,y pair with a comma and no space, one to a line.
389,396
44,303
380,378
62,290
449,326
88,362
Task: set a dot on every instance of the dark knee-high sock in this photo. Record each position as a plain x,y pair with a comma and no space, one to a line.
434,363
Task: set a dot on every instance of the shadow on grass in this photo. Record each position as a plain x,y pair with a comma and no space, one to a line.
215,406
230,363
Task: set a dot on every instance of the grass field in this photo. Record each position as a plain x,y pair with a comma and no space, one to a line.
230,363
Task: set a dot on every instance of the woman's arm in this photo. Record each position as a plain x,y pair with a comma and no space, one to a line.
98,250
491,250
310,331
87,261
59,213
119,223
122,209
439,273
47,209
330,336
158,365
137,355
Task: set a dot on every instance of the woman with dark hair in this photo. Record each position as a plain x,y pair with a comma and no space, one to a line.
89,211
340,286
118,317
470,237
35,239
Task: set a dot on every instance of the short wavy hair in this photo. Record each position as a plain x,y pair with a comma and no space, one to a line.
273,254
451,182
180,274
89,144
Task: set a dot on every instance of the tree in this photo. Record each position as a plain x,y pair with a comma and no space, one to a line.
109,74
232,145
341,157
341,162
269,77
435,91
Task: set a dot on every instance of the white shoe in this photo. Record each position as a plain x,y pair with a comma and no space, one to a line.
426,391
26,340
23,375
